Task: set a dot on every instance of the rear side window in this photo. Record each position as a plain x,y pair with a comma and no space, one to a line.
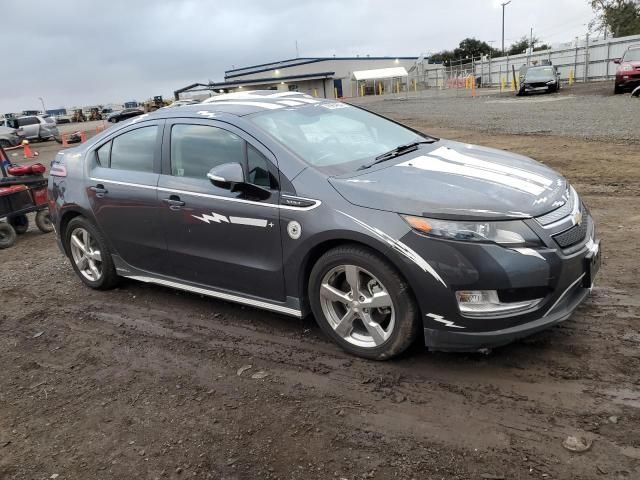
196,149
134,150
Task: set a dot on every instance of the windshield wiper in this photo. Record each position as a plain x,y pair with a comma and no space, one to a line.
396,152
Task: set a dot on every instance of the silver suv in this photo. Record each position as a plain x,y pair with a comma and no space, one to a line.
35,127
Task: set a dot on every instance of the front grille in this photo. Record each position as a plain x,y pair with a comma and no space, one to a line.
575,234
536,84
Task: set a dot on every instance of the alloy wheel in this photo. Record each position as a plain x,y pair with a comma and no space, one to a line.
357,306
86,254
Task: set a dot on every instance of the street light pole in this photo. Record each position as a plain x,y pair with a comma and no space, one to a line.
44,110
503,5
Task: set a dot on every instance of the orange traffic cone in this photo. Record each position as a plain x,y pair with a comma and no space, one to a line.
27,150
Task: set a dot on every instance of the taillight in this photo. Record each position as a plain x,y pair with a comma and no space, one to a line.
58,170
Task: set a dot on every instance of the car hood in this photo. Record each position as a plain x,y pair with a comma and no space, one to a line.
8,131
456,180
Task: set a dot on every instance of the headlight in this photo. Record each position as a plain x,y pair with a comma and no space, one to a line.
627,68
510,233
551,82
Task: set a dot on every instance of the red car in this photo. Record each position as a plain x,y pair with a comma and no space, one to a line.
628,71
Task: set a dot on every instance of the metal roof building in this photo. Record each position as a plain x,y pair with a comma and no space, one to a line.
326,77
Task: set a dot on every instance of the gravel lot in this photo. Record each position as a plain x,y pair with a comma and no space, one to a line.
582,111
147,382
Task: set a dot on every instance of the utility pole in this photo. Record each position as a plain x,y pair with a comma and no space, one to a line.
503,5
530,46
44,110
297,53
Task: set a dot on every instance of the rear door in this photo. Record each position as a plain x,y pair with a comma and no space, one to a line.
215,237
123,177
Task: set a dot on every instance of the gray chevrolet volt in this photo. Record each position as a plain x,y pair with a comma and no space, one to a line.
299,205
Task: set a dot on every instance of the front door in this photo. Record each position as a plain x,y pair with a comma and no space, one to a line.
122,180
215,237
337,84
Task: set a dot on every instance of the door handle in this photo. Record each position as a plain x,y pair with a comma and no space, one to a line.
100,190
174,202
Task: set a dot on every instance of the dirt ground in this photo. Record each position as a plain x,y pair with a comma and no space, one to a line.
147,382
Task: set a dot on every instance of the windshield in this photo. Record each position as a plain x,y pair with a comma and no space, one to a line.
335,136
541,73
632,55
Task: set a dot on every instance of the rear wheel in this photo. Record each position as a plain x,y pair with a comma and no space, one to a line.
89,254
617,89
20,224
7,235
43,221
362,303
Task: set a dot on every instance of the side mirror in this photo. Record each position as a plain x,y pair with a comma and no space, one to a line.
617,60
227,175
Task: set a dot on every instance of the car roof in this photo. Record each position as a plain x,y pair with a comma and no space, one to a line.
243,103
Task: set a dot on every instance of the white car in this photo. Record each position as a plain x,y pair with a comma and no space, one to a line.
35,127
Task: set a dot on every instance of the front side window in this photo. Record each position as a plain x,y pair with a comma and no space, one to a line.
103,154
27,121
334,135
258,169
196,149
134,150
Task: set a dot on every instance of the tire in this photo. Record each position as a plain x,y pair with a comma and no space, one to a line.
617,90
395,326
107,277
20,224
7,235
43,221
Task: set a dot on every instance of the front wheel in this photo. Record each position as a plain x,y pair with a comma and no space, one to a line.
89,254
7,235
361,301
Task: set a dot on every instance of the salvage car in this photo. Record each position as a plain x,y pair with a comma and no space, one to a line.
628,70
35,127
127,113
538,79
9,137
299,205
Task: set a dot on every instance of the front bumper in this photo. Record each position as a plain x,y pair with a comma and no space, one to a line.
628,83
559,274
451,341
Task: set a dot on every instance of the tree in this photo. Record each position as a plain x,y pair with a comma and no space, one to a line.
468,48
522,45
620,17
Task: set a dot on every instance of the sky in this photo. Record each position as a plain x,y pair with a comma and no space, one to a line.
85,52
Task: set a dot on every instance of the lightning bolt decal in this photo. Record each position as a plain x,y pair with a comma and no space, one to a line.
214,217
441,319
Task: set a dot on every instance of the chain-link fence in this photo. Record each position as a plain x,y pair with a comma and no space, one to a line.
585,59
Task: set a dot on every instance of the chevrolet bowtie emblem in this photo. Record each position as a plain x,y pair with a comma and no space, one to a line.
577,218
